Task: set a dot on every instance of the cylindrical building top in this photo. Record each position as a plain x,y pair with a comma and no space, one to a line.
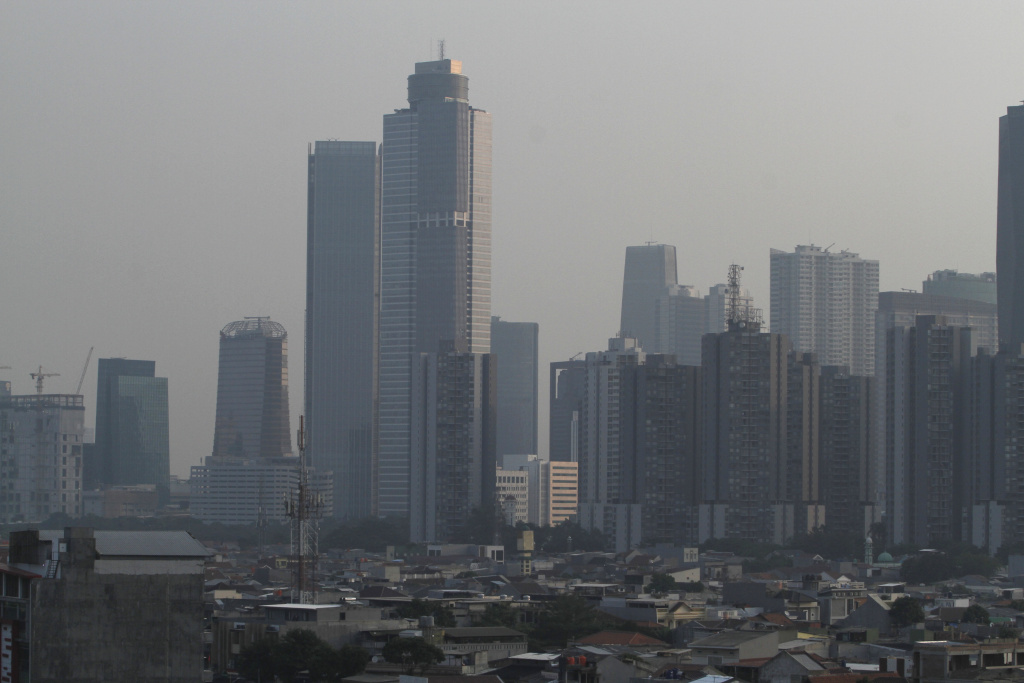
254,327
438,81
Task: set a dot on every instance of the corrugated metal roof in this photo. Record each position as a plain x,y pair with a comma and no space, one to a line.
141,543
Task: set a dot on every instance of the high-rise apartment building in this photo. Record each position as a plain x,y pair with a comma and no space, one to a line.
649,269
825,303
435,252
559,492
844,444
40,456
132,426
515,346
928,431
342,299
252,391
639,446
681,318
1010,228
453,438
958,285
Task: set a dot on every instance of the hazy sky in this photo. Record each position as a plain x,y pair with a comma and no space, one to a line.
153,157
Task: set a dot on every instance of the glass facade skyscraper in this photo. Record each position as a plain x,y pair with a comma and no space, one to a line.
435,251
252,391
1010,228
649,270
342,297
515,345
132,435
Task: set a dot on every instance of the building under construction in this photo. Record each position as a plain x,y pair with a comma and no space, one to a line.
40,456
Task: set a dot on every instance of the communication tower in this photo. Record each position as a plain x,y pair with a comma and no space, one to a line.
304,507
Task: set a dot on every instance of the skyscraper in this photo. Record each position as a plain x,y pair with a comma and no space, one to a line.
515,345
435,251
1010,228
825,303
961,285
342,296
132,430
649,269
252,391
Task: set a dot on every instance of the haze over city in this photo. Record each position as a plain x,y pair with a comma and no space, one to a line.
153,161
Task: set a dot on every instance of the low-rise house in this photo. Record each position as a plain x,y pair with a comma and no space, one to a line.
732,646
944,661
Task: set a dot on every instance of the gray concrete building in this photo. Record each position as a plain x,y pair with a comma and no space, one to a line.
845,430
108,606
927,430
435,253
565,392
515,346
649,269
41,439
342,332
453,460
1010,227
681,319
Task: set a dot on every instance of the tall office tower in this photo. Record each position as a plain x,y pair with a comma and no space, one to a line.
132,428
41,456
825,302
996,499
718,301
453,440
844,430
515,345
927,433
565,392
435,251
681,319
342,297
961,285
229,490
649,269
252,391
1010,228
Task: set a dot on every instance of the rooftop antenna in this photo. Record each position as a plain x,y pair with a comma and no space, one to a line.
440,50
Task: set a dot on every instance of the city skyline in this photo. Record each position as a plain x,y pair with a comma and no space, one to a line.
155,240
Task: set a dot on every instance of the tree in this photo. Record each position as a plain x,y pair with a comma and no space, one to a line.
975,614
1009,632
566,617
353,660
412,654
304,650
905,611
256,661
661,583
499,614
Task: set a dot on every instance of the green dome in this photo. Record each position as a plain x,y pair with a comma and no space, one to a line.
885,557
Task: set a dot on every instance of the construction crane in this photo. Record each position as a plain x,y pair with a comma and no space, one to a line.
81,379
39,376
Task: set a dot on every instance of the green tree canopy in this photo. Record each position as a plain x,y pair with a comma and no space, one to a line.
906,611
975,614
297,651
661,583
416,608
412,653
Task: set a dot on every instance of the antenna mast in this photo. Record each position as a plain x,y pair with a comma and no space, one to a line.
440,50
305,508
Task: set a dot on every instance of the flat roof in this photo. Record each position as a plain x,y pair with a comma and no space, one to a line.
139,543
299,605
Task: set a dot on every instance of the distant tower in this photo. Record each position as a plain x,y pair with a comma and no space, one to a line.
252,390
825,302
515,345
132,427
435,252
649,269
1010,228
342,297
